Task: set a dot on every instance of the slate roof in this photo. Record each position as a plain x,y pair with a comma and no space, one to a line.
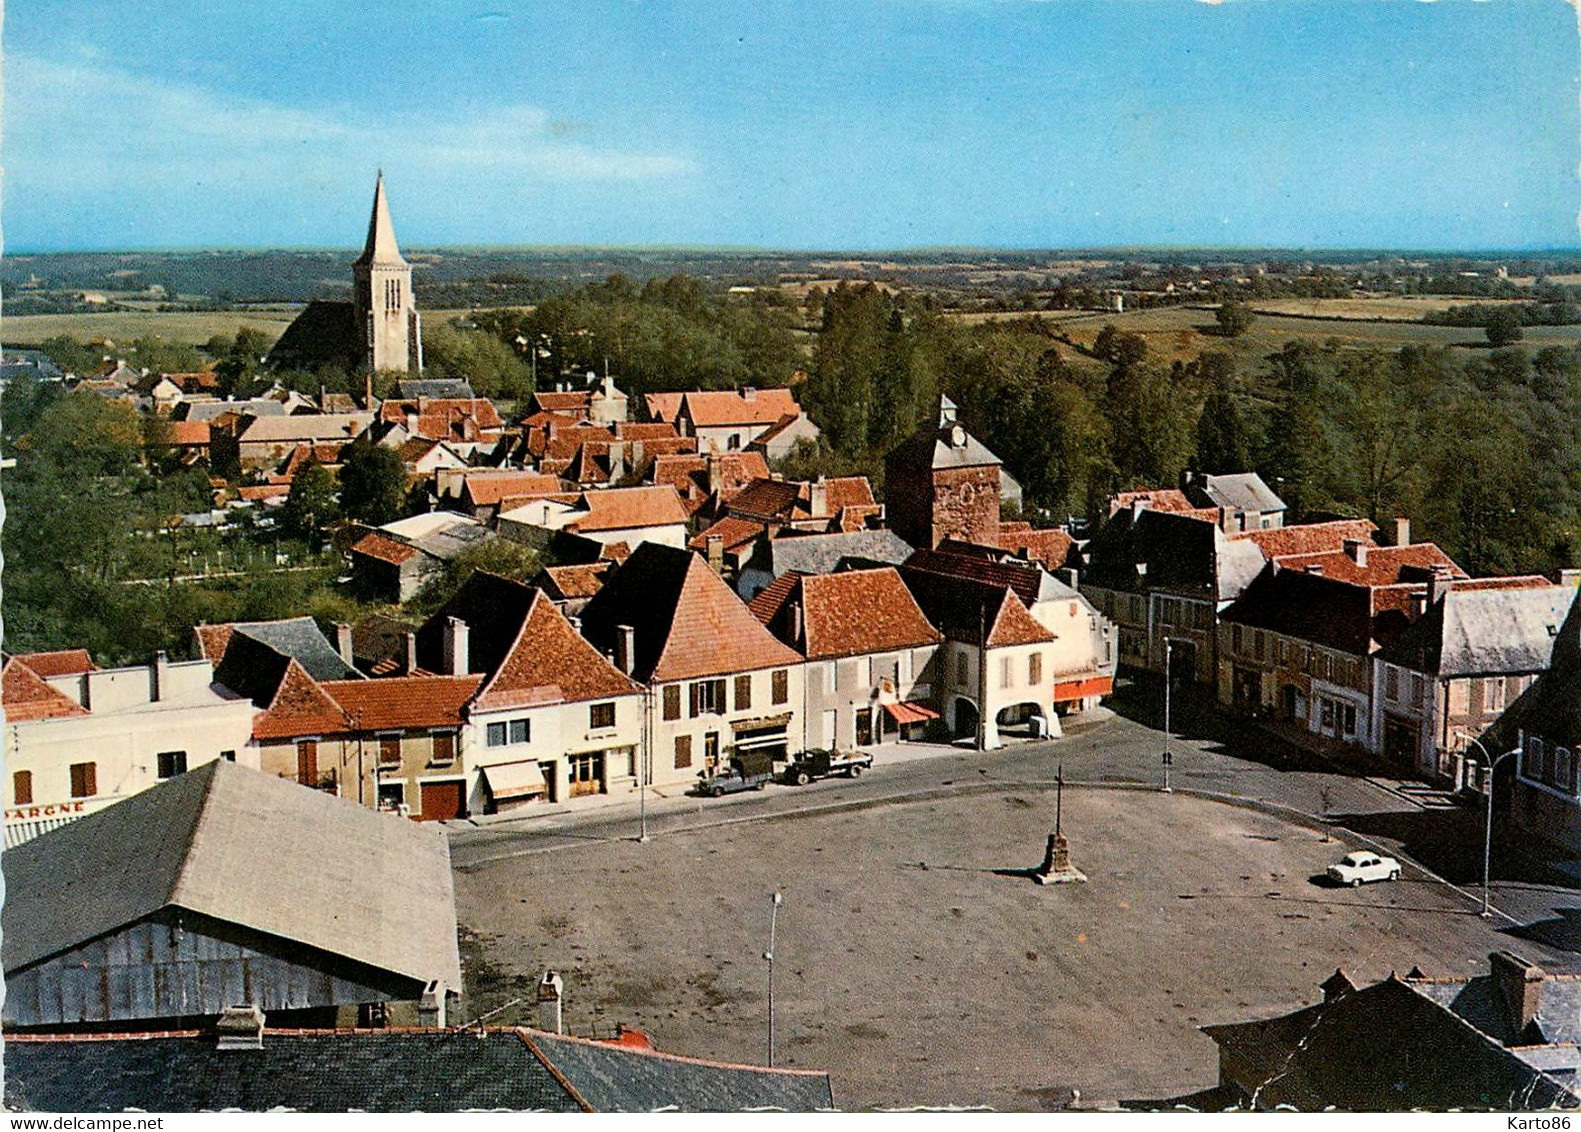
396,1070
325,332
209,410
27,696
415,387
824,553
309,428
1551,707
1241,491
380,247
942,444
340,878
688,623
1384,1048
301,1071
296,637
1183,554
616,1078
854,613
1475,632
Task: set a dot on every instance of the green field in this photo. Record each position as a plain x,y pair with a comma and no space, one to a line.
195,327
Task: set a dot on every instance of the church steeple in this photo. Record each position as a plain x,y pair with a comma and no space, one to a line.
381,247
386,307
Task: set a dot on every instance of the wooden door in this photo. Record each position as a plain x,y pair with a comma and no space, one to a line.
441,801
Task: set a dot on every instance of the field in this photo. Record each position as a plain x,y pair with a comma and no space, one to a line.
194,327
916,970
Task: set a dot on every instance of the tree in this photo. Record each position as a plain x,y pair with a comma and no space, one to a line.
1504,327
1224,442
311,504
1119,348
495,556
372,483
1234,319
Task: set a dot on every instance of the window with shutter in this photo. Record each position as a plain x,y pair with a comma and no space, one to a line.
672,701
22,787
743,693
84,780
781,686
683,752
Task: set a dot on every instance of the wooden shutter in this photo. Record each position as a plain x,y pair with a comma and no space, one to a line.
672,701
743,693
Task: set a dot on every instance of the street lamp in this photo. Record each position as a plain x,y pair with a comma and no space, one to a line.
642,792
1487,829
1169,757
774,907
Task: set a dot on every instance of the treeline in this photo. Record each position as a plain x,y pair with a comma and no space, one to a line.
1562,313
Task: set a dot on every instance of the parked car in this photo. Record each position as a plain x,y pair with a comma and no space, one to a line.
744,772
820,763
1359,868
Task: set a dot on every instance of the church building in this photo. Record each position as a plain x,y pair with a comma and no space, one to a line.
380,329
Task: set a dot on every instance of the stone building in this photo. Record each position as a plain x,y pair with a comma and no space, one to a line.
943,483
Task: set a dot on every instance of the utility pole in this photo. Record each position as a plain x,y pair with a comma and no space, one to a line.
1169,756
774,907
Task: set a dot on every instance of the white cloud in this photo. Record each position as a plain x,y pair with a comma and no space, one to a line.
79,123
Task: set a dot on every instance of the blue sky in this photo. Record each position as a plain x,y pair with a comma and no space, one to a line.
843,124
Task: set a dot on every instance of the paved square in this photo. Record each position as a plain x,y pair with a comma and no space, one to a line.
915,974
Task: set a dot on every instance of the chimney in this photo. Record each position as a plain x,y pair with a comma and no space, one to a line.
160,671
1224,519
749,394
1137,507
1356,551
798,623
411,653
1418,604
818,492
716,553
456,642
1570,578
240,1027
343,641
431,1007
1402,532
1438,585
551,989
1315,569
625,647
1070,576
1518,987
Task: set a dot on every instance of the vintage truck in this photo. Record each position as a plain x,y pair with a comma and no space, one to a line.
824,764
745,772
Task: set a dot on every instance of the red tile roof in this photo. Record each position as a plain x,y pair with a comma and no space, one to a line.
1309,538
403,701
383,548
861,612
25,695
487,488
573,582
718,408
1013,625
1384,563
736,534
444,409
61,662
257,493
188,434
623,508
1515,582
300,707
548,662
1050,547
771,599
663,406
646,430
212,641
768,498
688,623
1160,499
575,401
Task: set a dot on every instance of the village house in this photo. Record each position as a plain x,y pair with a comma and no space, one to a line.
572,586
871,654
80,738
392,563
482,492
994,672
628,515
1297,645
729,420
552,720
599,402
263,442
781,439
706,483
719,683
771,558
767,508
465,425
298,730
1082,659
1478,646
220,888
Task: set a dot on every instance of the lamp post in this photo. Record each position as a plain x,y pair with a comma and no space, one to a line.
1487,828
774,907
642,792
1169,757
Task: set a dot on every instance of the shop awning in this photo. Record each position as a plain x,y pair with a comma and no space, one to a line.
905,712
1081,689
514,780
762,723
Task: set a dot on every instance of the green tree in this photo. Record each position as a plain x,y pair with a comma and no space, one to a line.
496,556
1224,440
1234,319
311,505
372,483
1503,327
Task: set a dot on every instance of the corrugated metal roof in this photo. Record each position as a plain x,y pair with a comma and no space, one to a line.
248,849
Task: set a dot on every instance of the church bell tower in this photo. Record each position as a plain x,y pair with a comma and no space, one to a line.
386,308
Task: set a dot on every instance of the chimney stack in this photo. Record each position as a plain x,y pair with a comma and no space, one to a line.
1570,578
1356,551
1518,987
625,647
240,1027
716,553
818,497
1402,532
431,1006
551,989
798,624
161,674
343,641
456,643
411,653
1137,507
1438,585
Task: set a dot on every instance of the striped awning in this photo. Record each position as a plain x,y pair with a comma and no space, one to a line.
514,780
905,712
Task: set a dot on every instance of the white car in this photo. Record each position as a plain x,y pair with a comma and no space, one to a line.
1358,868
